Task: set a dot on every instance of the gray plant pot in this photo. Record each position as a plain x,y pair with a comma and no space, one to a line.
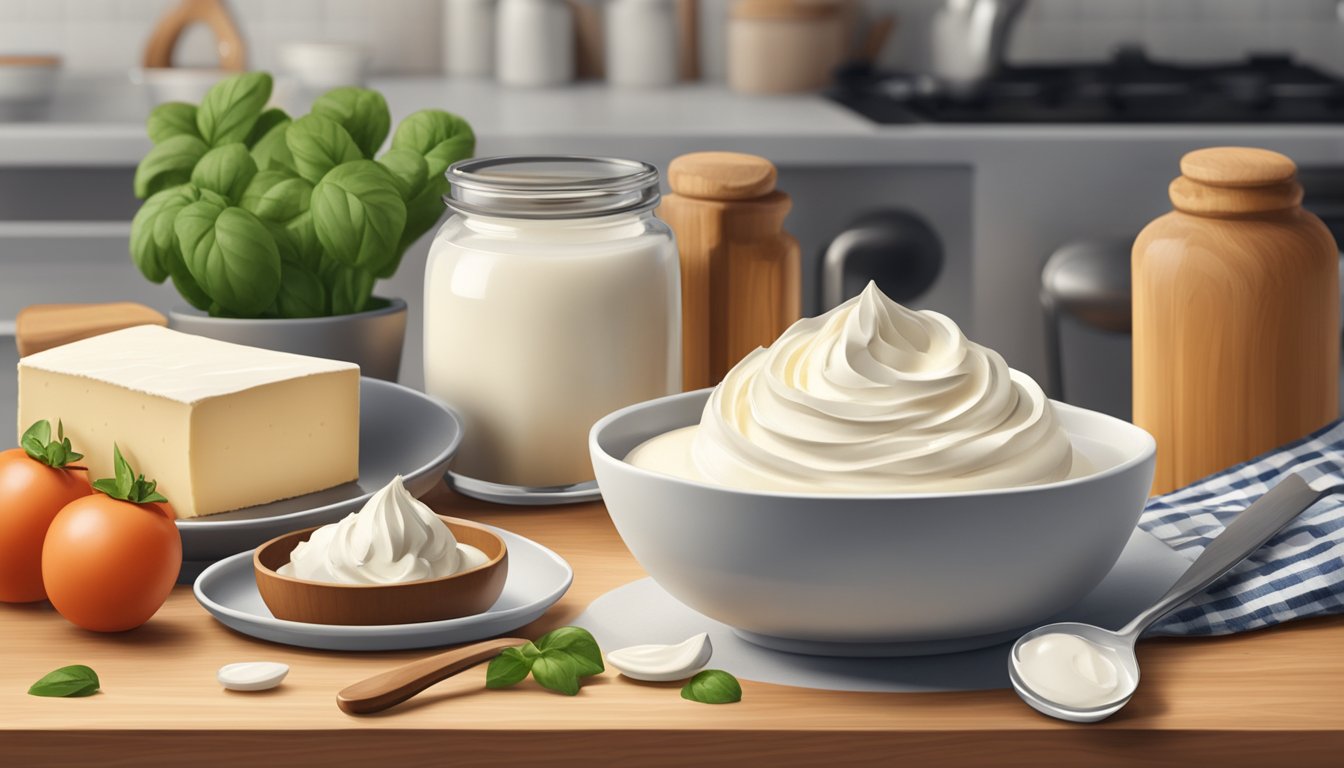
371,339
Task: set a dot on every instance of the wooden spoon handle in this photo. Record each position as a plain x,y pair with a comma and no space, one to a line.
390,688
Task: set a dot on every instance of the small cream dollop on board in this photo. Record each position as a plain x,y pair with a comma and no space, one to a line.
663,663
252,675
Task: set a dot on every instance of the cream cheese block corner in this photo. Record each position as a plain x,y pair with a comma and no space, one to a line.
220,426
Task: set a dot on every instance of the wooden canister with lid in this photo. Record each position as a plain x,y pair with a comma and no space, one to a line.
1236,316
741,282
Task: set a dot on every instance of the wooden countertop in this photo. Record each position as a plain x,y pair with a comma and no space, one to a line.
1269,697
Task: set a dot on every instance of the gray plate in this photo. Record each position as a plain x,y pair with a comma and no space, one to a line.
537,578
641,612
401,432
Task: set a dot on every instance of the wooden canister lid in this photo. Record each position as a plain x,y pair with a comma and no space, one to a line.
1237,167
722,176
785,9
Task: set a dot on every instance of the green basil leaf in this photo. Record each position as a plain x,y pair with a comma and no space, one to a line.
318,145
168,164
266,122
67,682
153,241
361,112
712,686
509,668
231,108
231,255
284,198
226,170
171,118
271,151
408,168
186,285
440,137
359,215
556,672
124,477
576,643
349,287
302,293
423,213
35,440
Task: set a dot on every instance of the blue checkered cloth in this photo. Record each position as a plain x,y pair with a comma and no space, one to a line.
1298,573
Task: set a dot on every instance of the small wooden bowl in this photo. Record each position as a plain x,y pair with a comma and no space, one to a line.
314,602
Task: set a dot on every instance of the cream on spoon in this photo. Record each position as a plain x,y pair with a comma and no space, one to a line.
1082,673
663,663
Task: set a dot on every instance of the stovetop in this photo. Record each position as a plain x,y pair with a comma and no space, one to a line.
1131,88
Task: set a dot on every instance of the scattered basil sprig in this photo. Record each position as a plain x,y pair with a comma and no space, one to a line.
39,446
254,214
126,486
556,661
713,686
67,682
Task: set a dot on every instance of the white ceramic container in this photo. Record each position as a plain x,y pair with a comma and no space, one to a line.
469,38
850,574
534,42
25,79
641,43
320,65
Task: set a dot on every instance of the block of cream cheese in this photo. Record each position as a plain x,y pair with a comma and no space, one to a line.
220,426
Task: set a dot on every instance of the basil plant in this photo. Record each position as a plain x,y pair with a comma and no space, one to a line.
253,214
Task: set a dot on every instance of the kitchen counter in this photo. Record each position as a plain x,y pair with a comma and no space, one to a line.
1003,197
1255,699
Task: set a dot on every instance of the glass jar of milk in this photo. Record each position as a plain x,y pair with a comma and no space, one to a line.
552,298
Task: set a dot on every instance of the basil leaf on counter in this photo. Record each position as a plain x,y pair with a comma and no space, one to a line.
508,668
578,645
171,118
67,682
555,671
712,686
231,108
557,661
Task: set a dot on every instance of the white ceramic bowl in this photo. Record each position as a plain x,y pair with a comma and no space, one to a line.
25,78
189,84
874,575
324,65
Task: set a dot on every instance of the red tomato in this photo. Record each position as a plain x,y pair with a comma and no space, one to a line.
31,493
109,565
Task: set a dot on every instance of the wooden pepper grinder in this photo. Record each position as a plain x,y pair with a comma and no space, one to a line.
740,271
1236,316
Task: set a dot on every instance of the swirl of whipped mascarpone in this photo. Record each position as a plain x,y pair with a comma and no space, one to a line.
393,539
873,397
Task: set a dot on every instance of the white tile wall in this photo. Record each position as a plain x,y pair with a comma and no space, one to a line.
107,35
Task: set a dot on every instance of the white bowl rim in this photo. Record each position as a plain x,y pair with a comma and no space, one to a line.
1149,449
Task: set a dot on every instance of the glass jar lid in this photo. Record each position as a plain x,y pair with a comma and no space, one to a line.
551,186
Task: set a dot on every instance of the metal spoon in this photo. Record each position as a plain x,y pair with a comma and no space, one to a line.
1252,528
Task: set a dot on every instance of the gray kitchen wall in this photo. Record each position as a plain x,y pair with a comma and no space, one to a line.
107,35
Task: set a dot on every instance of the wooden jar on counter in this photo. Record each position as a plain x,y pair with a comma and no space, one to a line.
741,282
1236,316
